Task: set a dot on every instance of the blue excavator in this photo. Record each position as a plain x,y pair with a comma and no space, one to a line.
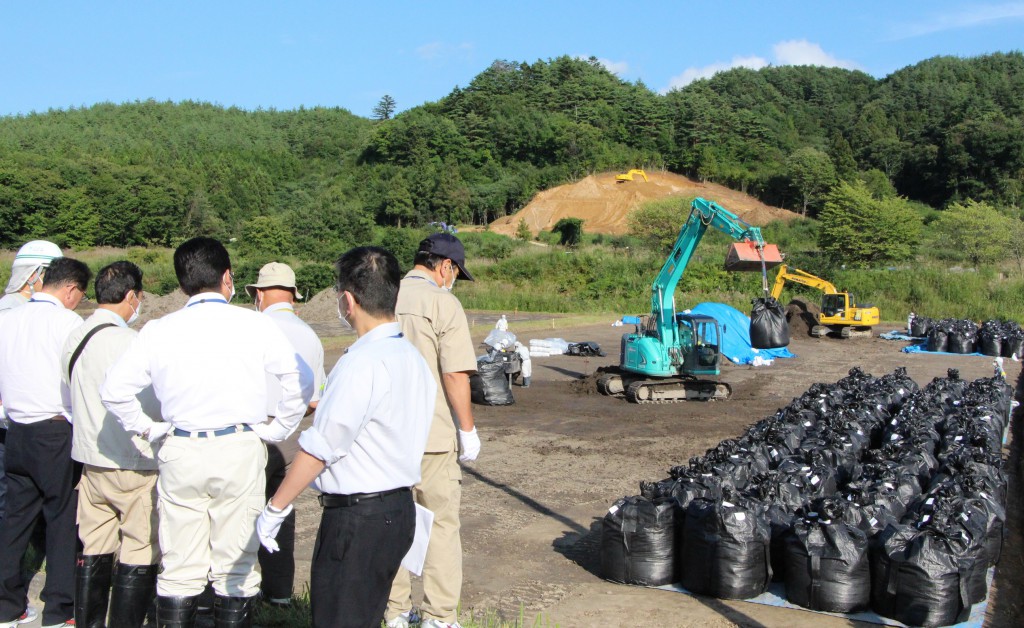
674,356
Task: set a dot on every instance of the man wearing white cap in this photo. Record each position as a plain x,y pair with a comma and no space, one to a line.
274,294
27,271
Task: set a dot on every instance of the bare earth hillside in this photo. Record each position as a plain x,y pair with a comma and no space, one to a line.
604,205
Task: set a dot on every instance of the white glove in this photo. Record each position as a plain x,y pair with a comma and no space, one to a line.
470,445
157,431
269,523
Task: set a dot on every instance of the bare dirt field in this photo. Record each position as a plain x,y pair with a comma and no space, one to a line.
553,463
605,205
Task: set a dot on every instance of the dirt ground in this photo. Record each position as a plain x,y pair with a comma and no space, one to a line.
605,205
553,462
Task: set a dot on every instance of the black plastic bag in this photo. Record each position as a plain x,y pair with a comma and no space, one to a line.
725,548
768,326
938,340
827,565
638,541
919,326
958,342
489,385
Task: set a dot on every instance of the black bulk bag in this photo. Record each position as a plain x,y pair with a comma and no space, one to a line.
725,548
638,541
938,339
489,385
827,565
1013,345
919,326
922,578
990,343
768,326
959,341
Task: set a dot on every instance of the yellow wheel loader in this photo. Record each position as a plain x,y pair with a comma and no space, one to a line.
840,314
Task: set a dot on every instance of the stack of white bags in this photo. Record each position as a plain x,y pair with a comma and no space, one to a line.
548,346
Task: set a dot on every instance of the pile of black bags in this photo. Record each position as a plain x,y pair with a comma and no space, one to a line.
872,492
995,338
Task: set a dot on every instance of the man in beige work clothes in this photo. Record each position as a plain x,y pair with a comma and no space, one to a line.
433,320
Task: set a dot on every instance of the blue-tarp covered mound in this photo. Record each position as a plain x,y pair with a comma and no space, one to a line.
736,337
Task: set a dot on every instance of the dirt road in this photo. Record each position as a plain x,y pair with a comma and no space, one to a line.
554,461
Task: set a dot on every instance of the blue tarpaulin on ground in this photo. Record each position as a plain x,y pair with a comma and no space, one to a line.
736,337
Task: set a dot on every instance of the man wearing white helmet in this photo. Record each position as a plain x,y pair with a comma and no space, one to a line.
27,272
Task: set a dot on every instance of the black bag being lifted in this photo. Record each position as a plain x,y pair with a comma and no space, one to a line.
827,562
768,326
725,548
489,385
638,541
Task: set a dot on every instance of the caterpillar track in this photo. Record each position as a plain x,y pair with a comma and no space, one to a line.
671,390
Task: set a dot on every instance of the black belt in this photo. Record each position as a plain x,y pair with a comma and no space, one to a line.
331,500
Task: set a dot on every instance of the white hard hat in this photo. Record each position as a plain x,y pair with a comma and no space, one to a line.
36,253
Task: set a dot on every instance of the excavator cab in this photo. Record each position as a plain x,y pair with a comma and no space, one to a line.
701,341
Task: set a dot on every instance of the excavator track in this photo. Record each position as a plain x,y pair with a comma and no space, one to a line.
676,390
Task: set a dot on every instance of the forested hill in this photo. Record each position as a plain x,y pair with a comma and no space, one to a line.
944,130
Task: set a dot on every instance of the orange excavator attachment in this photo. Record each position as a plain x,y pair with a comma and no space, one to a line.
745,257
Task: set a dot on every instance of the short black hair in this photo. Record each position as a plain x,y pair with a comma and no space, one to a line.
66,270
371,274
428,259
199,264
115,281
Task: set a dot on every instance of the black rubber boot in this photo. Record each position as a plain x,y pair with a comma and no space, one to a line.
232,612
92,589
132,594
176,612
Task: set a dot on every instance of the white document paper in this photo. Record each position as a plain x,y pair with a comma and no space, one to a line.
417,554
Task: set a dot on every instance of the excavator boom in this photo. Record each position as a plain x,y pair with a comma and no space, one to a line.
839,314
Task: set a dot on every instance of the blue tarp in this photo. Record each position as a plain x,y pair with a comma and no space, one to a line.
736,339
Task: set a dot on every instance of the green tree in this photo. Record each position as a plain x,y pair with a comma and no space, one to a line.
385,108
523,231
569,230
657,223
265,234
975,232
858,230
811,174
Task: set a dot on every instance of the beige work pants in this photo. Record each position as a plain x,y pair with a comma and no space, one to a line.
439,490
211,492
116,507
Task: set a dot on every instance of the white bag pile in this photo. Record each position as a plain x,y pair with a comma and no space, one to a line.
548,346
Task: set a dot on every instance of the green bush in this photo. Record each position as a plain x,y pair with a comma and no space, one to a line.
310,279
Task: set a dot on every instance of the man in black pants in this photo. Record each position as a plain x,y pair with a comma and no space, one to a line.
363,451
40,474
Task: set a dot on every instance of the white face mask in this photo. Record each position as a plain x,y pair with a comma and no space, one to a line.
135,313
345,325
450,286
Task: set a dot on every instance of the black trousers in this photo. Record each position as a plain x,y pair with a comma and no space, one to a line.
357,554
40,480
278,569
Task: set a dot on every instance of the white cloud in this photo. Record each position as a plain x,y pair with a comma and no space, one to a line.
792,52
690,75
803,52
615,67
440,51
968,17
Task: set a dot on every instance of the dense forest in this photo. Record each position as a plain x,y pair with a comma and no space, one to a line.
943,132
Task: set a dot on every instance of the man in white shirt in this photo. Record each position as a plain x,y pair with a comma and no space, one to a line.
363,451
274,294
117,494
40,473
208,364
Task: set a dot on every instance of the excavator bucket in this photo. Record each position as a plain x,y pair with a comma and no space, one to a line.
745,257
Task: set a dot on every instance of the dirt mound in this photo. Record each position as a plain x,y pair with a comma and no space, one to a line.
322,308
154,306
605,205
802,316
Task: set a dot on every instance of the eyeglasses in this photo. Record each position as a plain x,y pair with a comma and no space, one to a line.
85,297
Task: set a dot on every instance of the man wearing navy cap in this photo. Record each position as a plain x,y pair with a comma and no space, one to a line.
434,322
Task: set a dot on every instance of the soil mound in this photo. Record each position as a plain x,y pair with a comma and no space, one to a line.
605,205
154,306
802,316
322,308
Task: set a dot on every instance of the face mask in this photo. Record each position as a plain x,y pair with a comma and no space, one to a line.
345,325
449,287
232,292
135,313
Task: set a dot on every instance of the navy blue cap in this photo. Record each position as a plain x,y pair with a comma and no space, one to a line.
449,247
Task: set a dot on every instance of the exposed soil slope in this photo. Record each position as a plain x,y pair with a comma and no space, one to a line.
604,205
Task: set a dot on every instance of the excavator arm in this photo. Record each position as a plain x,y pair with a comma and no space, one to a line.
801,277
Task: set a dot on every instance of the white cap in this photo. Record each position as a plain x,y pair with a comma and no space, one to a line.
30,258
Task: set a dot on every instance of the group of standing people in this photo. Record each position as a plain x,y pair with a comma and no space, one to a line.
161,460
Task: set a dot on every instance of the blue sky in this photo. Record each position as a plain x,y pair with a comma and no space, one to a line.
344,54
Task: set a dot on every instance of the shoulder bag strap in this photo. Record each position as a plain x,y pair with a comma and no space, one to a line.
81,346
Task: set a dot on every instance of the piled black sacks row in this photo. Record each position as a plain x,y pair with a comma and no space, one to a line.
993,337
867,493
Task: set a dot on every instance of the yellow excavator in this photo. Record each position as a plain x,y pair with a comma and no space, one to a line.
840,313
628,176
